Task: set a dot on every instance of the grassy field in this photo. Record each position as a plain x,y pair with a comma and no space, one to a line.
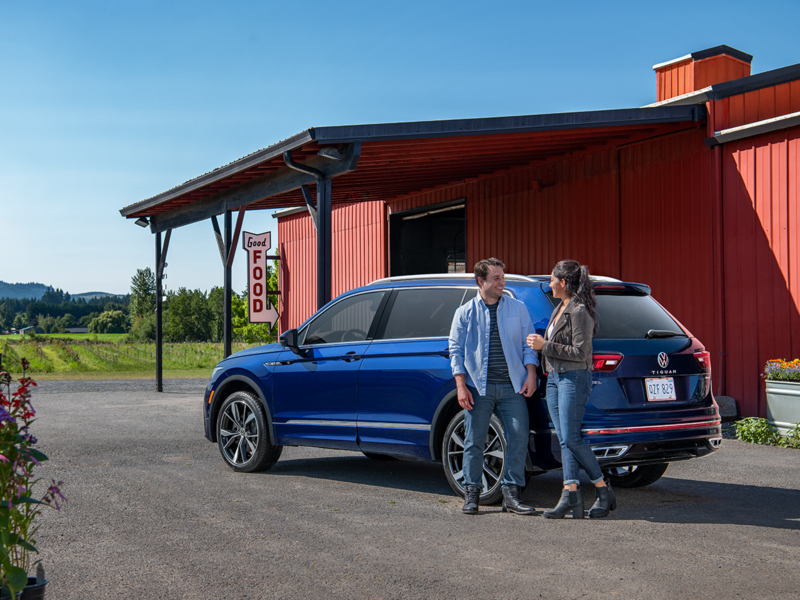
110,356
102,337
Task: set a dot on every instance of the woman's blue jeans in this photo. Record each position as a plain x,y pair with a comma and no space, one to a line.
567,397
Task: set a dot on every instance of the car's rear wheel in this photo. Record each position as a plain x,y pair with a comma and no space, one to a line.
494,458
635,476
243,436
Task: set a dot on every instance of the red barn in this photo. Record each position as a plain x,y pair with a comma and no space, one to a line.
696,195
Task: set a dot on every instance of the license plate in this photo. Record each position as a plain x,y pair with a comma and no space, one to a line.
660,388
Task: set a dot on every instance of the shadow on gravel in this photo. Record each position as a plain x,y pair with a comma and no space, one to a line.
396,474
671,500
688,501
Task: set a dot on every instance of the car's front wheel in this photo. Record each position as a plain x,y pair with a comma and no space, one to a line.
635,476
494,458
243,436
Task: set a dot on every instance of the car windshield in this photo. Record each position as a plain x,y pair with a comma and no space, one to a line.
623,316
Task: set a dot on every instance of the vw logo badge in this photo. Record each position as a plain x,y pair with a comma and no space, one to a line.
663,360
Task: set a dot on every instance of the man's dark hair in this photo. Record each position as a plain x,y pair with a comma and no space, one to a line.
482,267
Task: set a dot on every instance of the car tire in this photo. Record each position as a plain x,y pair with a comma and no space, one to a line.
379,457
635,476
494,458
243,436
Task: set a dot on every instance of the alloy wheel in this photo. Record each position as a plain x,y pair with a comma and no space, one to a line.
239,433
494,455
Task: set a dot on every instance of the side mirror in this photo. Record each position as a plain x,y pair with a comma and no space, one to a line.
289,340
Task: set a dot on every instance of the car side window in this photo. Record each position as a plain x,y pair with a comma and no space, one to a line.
348,320
423,313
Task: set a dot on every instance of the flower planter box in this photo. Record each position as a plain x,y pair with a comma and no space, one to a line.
783,404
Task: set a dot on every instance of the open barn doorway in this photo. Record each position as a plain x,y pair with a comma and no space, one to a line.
432,239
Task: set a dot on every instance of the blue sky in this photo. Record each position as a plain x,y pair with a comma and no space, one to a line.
103,104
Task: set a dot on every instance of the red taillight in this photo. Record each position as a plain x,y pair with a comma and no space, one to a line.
704,358
609,287
606,362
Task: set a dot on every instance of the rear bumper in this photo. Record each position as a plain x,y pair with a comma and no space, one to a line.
644,444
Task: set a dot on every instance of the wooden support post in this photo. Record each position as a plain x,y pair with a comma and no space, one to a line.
228,292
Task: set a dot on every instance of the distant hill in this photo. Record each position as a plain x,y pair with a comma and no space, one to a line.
22,290
37,290
90,295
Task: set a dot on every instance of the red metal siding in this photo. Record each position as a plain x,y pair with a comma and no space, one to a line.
762,282
674,80
758,105
298,250
717,69
359,256
511,216
689,76
667,243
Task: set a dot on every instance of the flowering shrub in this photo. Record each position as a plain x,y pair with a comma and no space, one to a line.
782,370
18,507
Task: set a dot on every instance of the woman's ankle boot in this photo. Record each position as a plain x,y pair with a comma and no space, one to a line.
570,501
606,502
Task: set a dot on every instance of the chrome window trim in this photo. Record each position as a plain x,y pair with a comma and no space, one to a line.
302,331
466,288
418,339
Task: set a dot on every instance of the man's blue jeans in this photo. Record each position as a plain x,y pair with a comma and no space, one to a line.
512,410
567,397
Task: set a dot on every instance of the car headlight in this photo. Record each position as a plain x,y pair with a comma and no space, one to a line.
216,370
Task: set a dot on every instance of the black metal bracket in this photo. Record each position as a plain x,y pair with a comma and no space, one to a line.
312,208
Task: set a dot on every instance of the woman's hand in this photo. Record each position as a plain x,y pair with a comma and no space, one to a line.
535,341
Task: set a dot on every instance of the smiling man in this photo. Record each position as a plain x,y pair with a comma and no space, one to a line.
495,370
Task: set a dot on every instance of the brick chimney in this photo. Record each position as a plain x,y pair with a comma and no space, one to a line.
699,70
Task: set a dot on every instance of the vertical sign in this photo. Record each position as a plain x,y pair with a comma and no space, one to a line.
259,308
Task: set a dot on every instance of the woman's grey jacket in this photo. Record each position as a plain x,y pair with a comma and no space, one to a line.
569,347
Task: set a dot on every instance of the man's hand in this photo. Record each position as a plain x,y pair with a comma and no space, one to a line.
465,400
529,386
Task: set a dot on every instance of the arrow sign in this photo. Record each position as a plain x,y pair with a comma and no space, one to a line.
259,308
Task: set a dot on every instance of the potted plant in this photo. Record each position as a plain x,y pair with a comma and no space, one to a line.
783,393
19,508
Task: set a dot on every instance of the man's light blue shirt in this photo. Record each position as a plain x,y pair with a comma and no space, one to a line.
469,341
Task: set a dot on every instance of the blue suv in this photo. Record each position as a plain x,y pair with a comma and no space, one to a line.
370,372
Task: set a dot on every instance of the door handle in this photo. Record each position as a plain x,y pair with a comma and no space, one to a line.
445,353
350,356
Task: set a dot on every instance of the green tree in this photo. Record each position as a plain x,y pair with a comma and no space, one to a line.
46,322
113,321
143,328
6,316
84,321
62,323
143,293
216,299
188,317
19,321
250,333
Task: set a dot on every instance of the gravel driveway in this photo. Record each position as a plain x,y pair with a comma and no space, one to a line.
154,513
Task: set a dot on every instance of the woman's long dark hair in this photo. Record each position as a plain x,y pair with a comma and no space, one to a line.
578,285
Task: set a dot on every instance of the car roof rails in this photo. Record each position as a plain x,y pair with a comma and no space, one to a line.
469,276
